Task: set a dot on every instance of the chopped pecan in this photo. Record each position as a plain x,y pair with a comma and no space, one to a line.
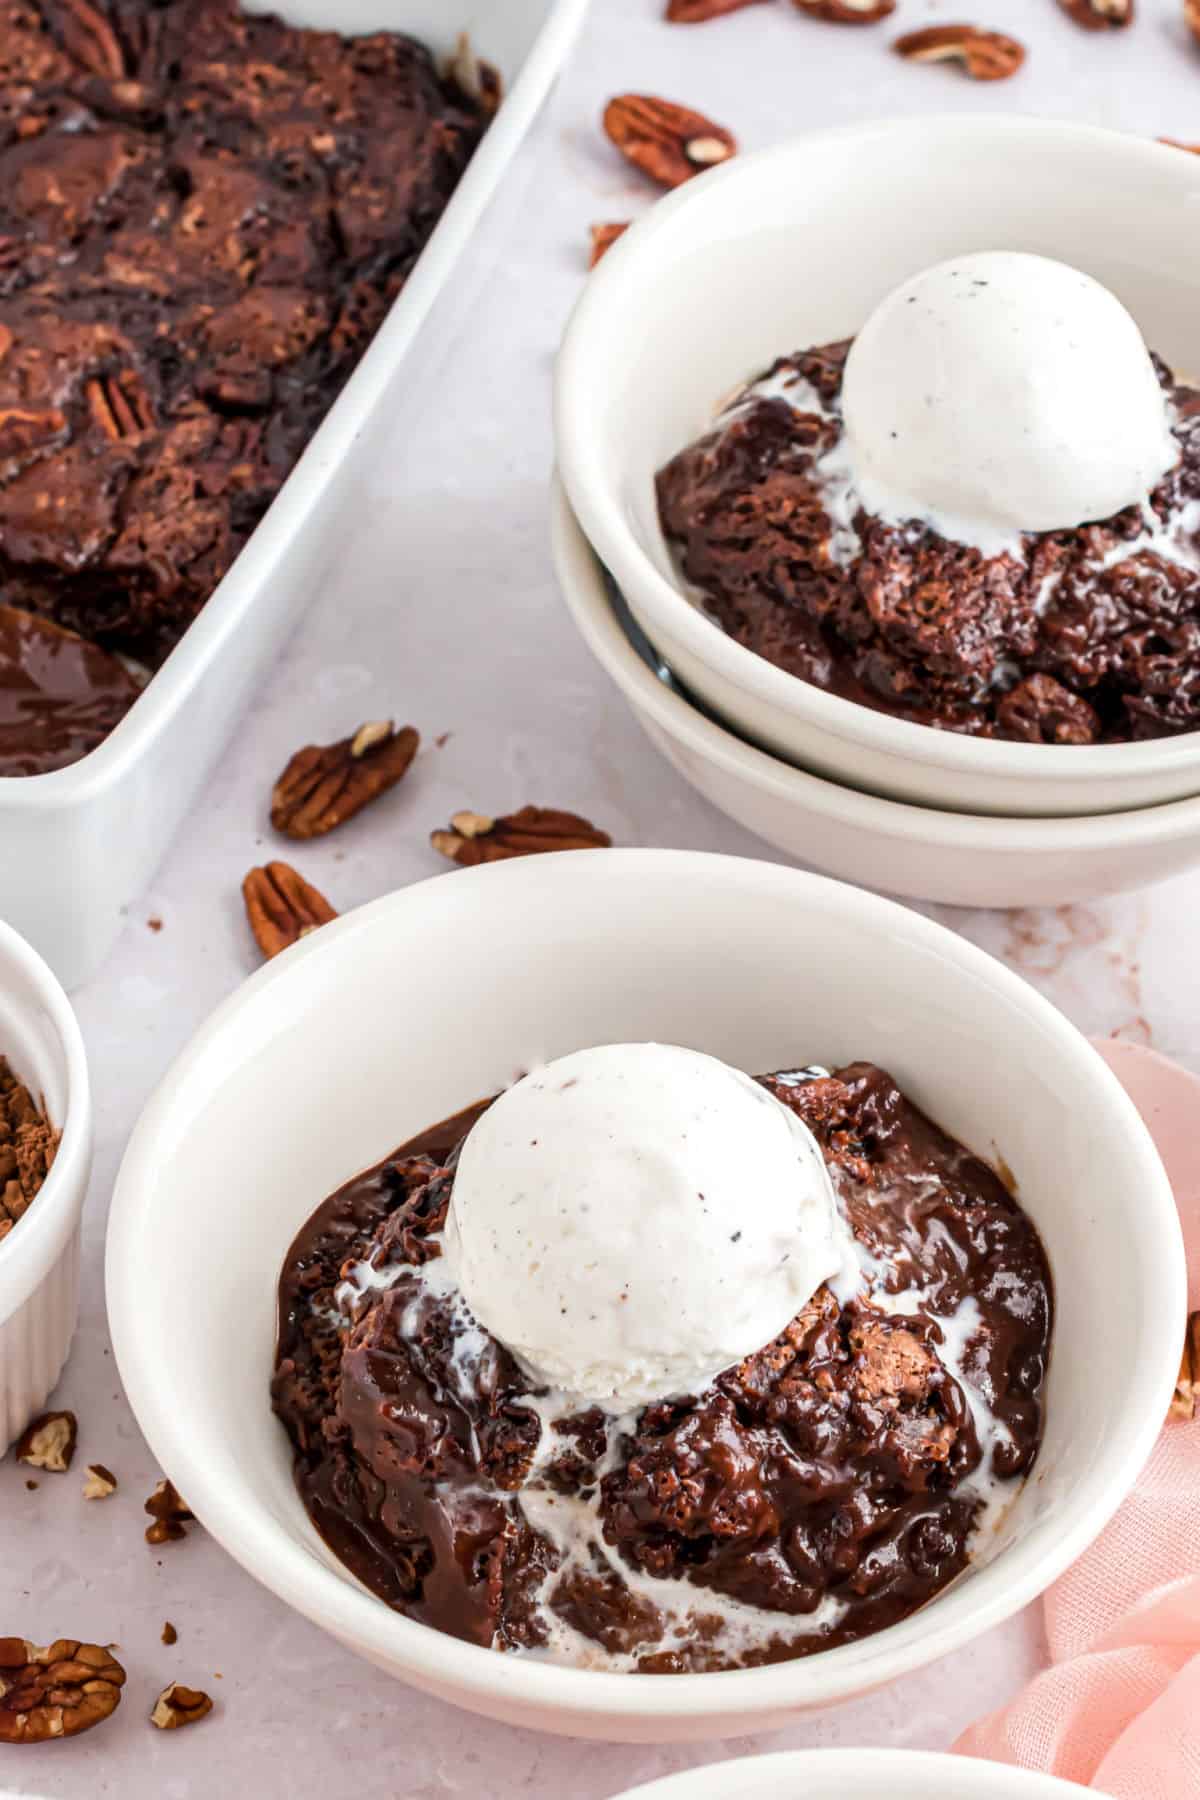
475,838
28,1143
178,1705
695,12
604,237
23,429
325,784
49,1443
471,75
669,143
847,12
985,55
119,405
282,907
100,1482
55,1692
1100,15
169,1514
88,36
1186,1402
169,1633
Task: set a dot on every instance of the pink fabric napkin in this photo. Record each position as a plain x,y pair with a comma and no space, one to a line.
1118,1710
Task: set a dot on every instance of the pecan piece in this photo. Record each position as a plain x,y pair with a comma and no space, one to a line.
325,784
669,143
88,37
985,55
23,429
28,1143
55,1692
471,75
1191,13
695,12
604,237
168,1512
475,838
119,405
1100,15
178,1705
847,12
282,907
1186,1402
100,1482
49,1442
169,1633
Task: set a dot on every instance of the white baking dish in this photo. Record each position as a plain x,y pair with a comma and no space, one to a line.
79,844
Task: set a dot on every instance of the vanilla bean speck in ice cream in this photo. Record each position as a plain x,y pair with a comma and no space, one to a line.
598,1226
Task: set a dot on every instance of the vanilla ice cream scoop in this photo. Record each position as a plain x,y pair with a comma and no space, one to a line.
633,1219
1002,393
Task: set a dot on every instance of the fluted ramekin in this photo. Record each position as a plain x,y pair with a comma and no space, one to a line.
39,1259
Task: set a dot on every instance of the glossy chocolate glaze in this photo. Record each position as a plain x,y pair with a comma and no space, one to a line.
59,695
836,1476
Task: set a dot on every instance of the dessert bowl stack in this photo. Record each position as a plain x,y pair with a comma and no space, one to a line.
795,247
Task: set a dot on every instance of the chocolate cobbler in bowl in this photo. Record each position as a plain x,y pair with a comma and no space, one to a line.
1071,637
820,1489
204,217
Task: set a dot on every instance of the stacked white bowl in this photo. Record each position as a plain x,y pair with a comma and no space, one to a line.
792,247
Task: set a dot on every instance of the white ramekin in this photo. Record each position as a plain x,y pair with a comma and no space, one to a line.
39,1259
856,1775
959,859
398,1014
793,246
80,844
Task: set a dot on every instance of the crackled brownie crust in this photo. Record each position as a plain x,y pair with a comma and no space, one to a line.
1083,637
819,1491
204,216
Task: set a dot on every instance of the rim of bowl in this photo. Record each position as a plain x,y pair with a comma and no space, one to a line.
32,1248
604,520
581,579
334,1600
944,1770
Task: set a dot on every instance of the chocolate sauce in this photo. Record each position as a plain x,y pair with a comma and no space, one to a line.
59,695
819,1491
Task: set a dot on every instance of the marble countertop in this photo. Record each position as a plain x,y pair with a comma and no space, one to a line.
444,612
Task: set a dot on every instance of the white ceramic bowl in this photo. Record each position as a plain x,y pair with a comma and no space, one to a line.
396,1015
80,844
794,246
39,1258
955,858
856,1775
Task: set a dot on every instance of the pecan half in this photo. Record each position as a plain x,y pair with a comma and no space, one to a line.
49,1443
178,1705
695,12
119,405
669,143
99,1483
985,55
475,838
1100,15
1186,1403
604,237
88,36
282,907
847,12
55,1692
169,1514
325,784
28,1144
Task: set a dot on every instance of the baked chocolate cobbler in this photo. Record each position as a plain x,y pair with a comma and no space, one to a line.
820,1490
204,216
1083,636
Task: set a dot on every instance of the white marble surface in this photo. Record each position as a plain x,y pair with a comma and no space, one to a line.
445,613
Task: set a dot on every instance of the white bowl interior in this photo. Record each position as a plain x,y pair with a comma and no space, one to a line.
400,1014
796,247
855,1775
